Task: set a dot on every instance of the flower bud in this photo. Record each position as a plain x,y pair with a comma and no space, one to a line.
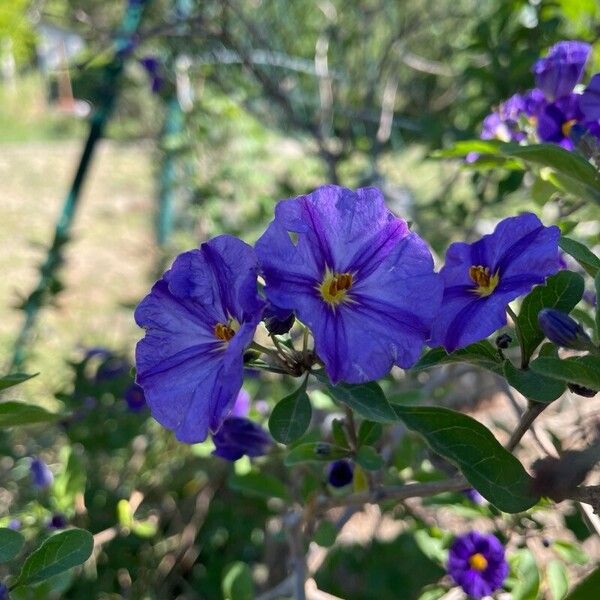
340,473
564,331
503,341
277,320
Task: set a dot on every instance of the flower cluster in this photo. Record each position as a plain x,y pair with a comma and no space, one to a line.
552,111
355,277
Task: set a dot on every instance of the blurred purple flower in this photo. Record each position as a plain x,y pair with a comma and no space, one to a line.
480,279
351,271
590,298
340,473
589,101
557,119
504,124
4,592
134,396
41,475
476,562
14,524
154,68
58,521
561,69
112,368
474,496
199,319
241,407
239,436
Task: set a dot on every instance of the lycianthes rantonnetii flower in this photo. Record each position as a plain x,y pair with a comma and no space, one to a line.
14,524
134,396
41,475
557,119
3,592
355,275
474,496
480,279
476,562
340,473
239,436
589,101
563,330
58,521
241,407
199,318
505,123
561,69
154,68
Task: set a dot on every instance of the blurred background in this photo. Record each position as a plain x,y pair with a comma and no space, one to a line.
211,112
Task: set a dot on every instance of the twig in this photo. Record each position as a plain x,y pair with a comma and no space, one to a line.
527,419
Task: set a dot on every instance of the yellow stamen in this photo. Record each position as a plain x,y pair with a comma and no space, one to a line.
478,562
486,283
567,126
223,332
335,286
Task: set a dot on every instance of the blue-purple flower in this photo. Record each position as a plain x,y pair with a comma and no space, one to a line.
3,592
58,521
199,318
561,69
134,396
154,68
480,279
355,275
556,120
563,330
340,473
505,123
239,436
589,101
241,406
41,475
476,562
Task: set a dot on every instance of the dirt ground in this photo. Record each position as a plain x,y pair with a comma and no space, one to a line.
108,262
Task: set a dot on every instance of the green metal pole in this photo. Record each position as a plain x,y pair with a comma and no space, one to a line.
48,283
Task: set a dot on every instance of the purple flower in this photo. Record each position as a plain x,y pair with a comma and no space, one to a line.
476,562
238,436
355,275
480,279
14,524
561,70
557,119
41,475
563,330
4,592
340,473
504,124
589,101
58,521
199,318
474,496
134,396
112,368
241,407
154,68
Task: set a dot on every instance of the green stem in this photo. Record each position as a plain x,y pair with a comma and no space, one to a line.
513,316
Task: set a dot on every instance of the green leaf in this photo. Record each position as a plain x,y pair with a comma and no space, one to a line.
597,286
568,164
14,379
368,458
314,452
464,147
237,583
367,399
369,432
11,543
561,291
431,545
58,553
583,255
588,588
433,592
526,571
482,354
570,552
532,385
291,416
19,413
326,534
583,370
493,471
558,582
260,485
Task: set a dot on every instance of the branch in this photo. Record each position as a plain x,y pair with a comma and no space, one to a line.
527,419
